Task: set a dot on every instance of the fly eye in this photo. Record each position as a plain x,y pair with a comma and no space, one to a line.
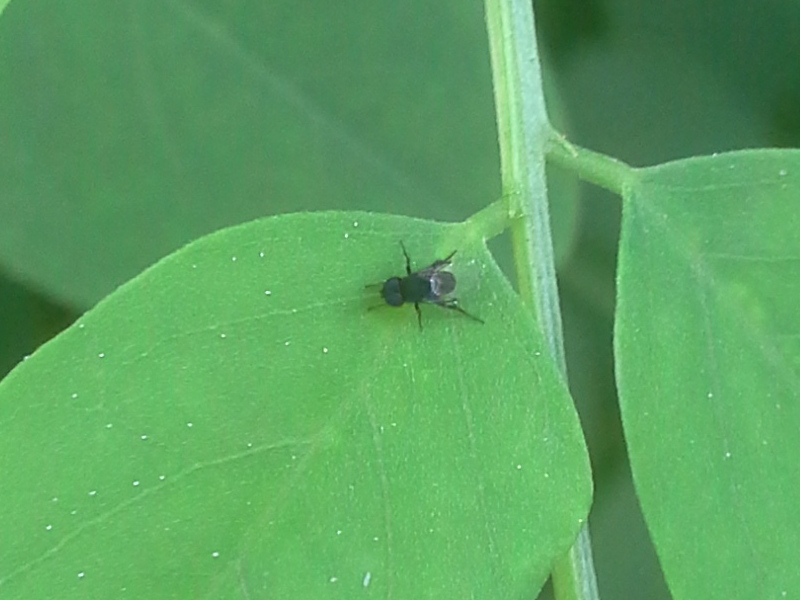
391,292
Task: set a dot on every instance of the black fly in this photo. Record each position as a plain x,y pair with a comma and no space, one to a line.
432,285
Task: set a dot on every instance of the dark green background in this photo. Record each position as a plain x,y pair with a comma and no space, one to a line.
375,107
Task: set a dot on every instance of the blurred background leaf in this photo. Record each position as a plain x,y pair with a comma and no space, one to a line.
134,129
173,442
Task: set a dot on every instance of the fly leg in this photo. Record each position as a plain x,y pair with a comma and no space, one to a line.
452,304
408,260
419,314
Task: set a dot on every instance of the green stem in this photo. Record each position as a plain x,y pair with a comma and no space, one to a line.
590,166
523,128
525,134
491,220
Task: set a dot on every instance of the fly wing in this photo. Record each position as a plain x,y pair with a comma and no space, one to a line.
430,272
437,266
442,283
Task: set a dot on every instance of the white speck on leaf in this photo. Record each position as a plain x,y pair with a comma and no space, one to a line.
367,579
233,258
261,254
268,293
93,493
324,350
333,579
81,575
136,483
355,223
215,554
74,395
102,355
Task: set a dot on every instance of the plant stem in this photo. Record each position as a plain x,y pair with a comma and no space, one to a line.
590,166
525,133
491,220
523,129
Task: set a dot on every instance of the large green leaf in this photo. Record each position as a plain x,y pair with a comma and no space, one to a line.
130,129
708,366
236,423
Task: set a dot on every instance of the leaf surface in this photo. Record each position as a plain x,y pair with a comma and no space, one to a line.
708,368
237,423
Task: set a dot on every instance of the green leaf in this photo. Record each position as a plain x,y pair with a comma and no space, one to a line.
708,366
129,130
235,422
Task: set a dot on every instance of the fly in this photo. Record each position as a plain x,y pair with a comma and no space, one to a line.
432,285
